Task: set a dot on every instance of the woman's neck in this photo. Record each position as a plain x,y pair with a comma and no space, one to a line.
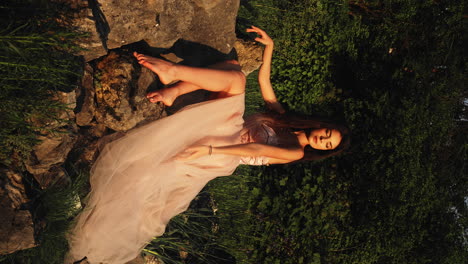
302,138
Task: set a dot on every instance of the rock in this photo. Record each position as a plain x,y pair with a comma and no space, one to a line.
89,153
172,57
48,155
14,188
55,175
160,23
86,149
65,115
85,94
249,55
212,23
97,130
16,226
52,150
57,139
121,93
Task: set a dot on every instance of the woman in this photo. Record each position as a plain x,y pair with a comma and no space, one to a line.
142,180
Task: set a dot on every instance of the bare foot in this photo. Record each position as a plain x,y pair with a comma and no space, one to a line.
164,69
166,95
146,57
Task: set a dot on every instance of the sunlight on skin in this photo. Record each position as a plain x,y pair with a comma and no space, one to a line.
324,138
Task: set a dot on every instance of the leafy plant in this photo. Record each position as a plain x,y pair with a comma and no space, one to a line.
393,69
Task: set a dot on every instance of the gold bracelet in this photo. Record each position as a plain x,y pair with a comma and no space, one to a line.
211,150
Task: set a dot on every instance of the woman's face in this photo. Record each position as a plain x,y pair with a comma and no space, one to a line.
324,138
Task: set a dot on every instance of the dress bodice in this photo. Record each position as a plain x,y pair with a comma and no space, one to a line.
258,132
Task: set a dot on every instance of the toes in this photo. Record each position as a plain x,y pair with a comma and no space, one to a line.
146,64
139,56
154,97
152,94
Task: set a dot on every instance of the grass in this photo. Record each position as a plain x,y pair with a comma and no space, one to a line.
55,208
33,67
36,63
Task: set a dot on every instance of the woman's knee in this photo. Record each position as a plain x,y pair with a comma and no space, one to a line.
238,83
228,65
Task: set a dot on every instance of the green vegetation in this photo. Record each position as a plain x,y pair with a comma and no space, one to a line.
393,70
34,64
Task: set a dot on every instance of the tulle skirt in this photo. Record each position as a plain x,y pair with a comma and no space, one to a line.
137,186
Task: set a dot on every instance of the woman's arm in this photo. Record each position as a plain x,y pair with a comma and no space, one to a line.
281,155
265,70
258,150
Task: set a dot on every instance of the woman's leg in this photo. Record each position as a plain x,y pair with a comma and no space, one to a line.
224,77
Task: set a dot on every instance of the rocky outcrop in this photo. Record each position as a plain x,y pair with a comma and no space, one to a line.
249,55
16,225
159,23
57,139
85,96
121,87
112,93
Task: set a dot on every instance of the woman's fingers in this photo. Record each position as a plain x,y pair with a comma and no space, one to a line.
260,40
263,36
256,28
256,31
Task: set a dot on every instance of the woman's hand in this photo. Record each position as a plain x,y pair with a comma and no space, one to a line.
264,38
195,152
264,73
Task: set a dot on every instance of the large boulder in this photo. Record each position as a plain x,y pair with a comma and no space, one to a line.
160,23
16,225
121,86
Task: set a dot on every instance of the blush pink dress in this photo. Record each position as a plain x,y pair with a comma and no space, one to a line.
137,186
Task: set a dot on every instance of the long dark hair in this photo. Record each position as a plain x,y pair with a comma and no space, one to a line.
285,124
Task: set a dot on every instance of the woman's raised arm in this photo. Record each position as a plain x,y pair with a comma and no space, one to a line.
264,73
279,155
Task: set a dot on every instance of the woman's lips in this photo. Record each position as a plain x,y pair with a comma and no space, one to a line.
315,139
